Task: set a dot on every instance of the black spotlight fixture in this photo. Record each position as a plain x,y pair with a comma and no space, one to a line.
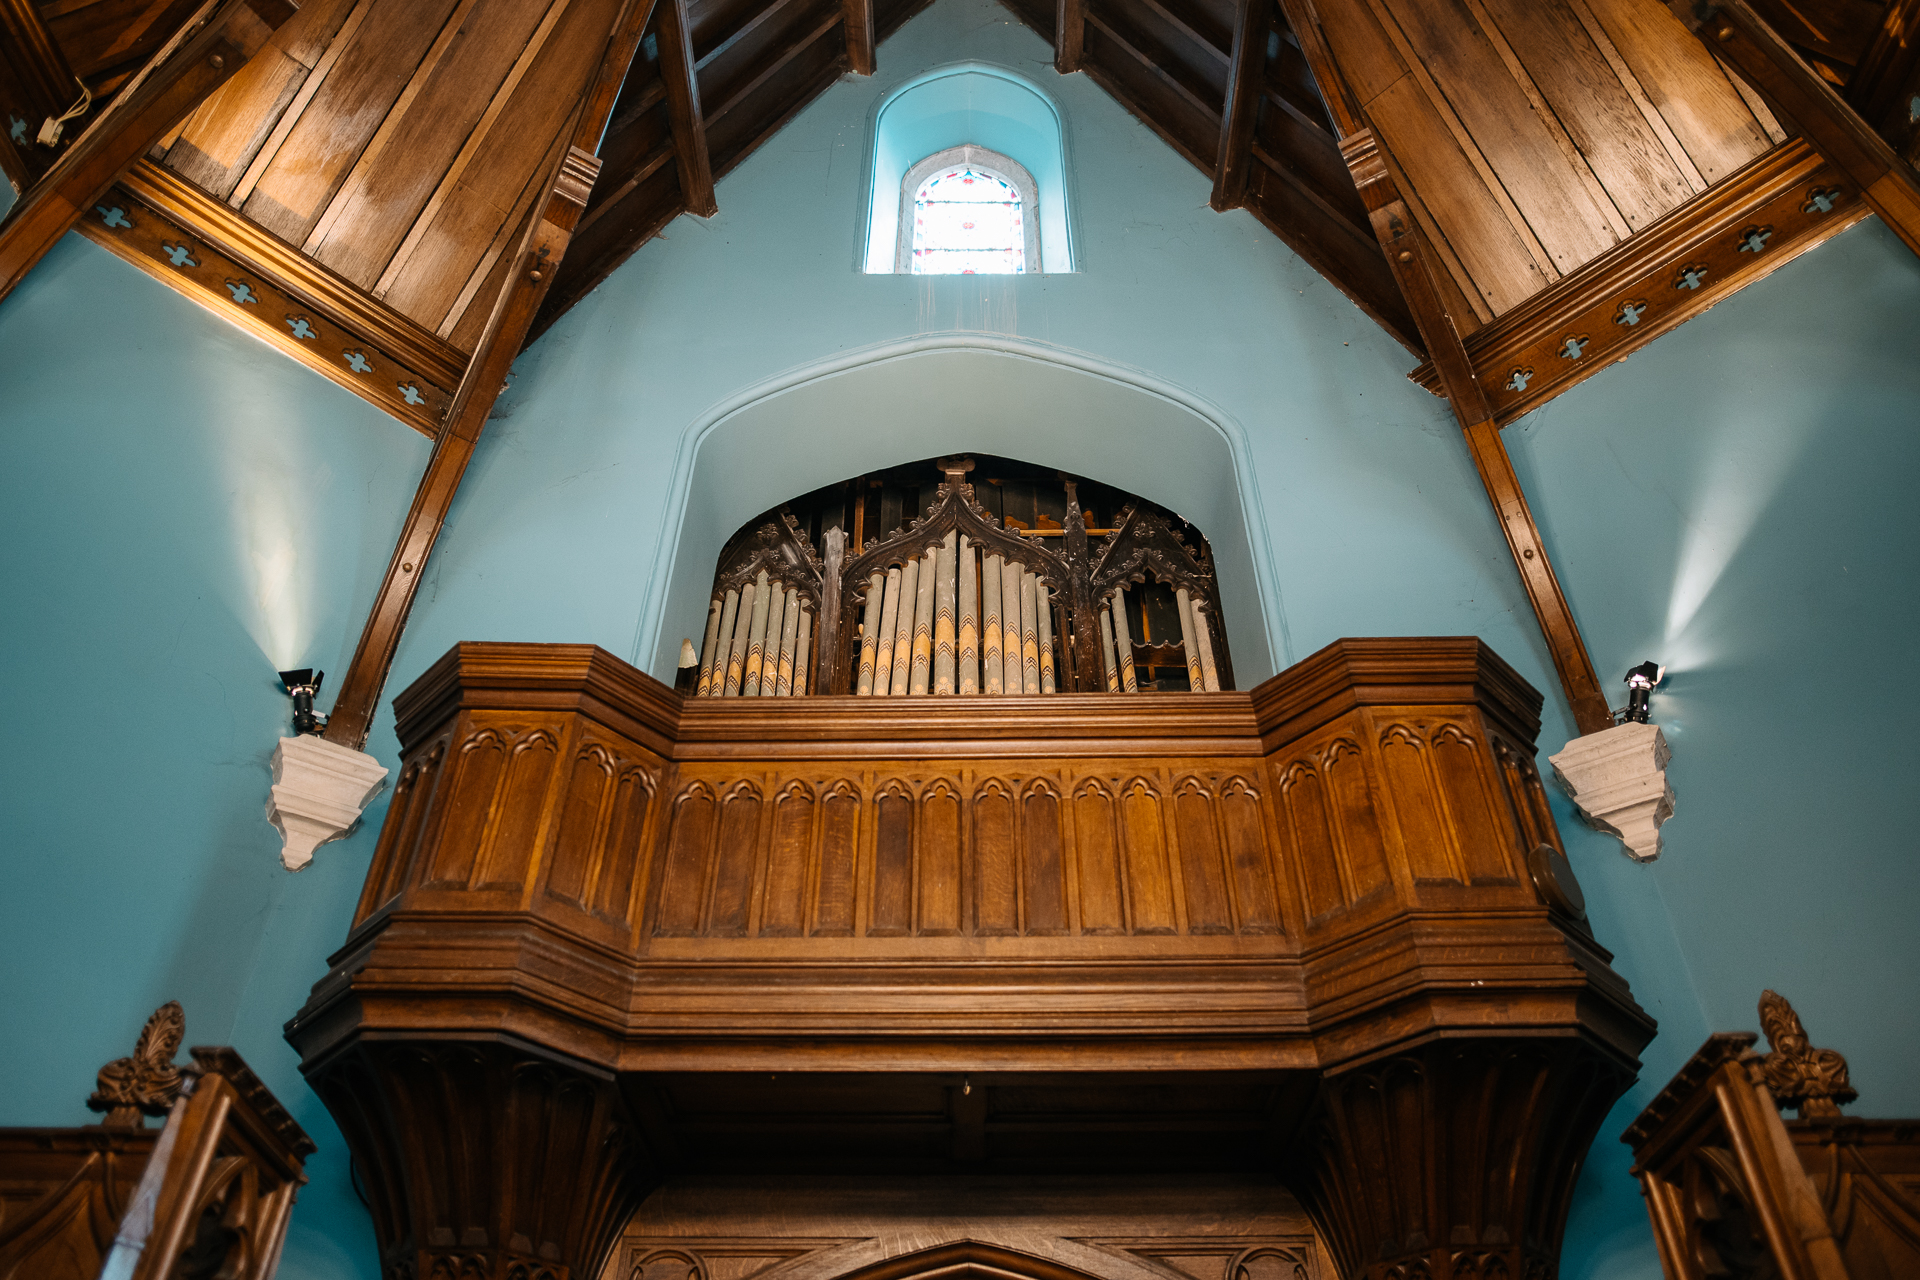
1640,683
302,686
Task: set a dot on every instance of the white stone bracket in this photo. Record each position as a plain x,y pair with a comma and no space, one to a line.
319,791
1618,779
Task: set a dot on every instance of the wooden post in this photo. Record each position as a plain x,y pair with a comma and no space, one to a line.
1069,35
683,109
1248,61
549,228
1742,39
207,50
857,18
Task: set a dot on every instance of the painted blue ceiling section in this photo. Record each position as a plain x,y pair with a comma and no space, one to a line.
985,105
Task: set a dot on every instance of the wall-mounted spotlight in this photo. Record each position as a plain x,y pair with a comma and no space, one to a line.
1640,685
303,686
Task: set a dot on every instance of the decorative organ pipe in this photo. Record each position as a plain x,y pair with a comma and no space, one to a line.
756,638
737,651
968,641
1123,642
870,636
1204,634
956,600
1196,679
1106,649
707,648
943,614
992,667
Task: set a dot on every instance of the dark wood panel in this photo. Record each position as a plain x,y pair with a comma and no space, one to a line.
777,92
1156,99
106,42
343,115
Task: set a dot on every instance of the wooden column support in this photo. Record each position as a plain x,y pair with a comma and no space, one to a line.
1248,60
208,49
1744,40
1069,35
679,68
857,17
1412,263
544,243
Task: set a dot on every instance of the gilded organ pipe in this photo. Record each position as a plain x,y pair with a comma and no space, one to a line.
992,667
919,678
1123,642
708,646
968,640
870,636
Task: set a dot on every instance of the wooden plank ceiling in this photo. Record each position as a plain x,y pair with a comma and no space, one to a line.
354,192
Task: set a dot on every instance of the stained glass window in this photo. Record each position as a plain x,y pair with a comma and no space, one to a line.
968,220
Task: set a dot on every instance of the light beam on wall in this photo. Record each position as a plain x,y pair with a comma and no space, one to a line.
269,505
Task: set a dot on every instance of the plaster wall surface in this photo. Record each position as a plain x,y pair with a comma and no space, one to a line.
1731,501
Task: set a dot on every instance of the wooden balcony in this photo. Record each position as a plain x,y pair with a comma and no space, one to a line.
1293,928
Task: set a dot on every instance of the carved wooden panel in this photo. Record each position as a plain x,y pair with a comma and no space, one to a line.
984,848
62,1193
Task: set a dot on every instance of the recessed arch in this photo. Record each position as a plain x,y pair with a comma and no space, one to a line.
968,1260
817,424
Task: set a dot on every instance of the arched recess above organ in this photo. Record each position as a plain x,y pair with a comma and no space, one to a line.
996,577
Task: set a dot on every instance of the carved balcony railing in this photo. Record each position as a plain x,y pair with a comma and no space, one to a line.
1340,895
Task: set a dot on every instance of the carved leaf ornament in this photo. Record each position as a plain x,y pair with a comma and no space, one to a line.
1799,1075
146,1083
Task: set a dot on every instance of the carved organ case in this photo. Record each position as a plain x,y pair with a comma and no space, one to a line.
1008,582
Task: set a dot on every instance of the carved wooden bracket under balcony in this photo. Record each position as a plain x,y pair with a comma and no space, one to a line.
1328,917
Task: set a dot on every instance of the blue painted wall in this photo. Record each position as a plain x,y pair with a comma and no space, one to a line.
1732,501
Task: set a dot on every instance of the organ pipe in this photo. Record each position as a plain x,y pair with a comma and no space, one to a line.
789,632
756,638
968,641
992,668
1010,578
903,627
919,676
870,637
889,619
1106,648
1123,641
802,663
708,646
1204,634
1044,615
1196,679
770,647
737,651
1029,636
943,615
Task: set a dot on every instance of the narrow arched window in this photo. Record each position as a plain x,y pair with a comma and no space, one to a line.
968,211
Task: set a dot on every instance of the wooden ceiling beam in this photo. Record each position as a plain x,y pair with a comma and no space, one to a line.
1246,66
1069,35
1743,39
858,16
1887,78
549,229
680,70
203,55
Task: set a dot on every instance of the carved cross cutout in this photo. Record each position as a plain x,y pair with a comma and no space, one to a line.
411,393
179,255
19,130
1630,312
1574,347
1821,200
1754,239
357,361
301,329
114,217
1519,379
1692,276
242,291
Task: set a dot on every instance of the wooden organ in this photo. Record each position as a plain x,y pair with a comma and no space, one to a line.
961,601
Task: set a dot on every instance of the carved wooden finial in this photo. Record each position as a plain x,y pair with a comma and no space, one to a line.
1797,1074
148,1082
955,470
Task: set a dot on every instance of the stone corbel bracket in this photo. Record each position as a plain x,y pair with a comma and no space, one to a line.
1618,780
319,791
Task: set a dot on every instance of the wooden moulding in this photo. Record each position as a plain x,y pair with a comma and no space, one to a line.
283,286
1520,359
702,868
